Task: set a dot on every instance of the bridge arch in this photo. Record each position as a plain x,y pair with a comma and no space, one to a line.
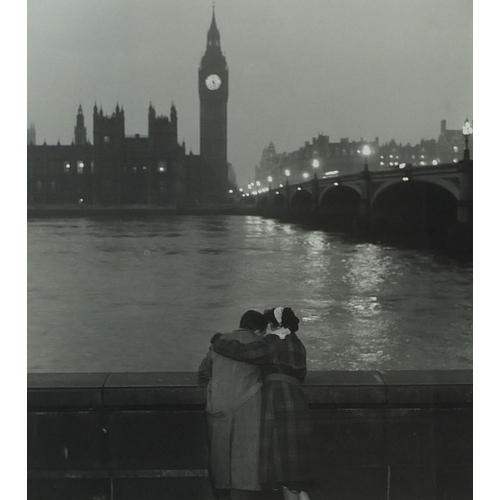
415,211
339,207
278,201
263,202
302,200
443,183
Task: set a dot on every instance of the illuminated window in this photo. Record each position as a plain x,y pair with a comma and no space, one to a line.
67,167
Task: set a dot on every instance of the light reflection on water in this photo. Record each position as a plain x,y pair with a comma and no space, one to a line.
148,295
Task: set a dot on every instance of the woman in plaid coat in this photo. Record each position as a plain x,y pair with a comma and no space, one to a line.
285,438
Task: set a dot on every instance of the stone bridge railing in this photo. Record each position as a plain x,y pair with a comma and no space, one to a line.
377,435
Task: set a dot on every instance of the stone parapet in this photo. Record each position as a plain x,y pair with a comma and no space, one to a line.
377,435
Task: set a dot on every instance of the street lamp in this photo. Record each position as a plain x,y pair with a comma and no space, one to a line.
366,152
466,131
270,179
315,164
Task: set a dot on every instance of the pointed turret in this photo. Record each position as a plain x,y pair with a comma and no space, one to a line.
80,129
213,38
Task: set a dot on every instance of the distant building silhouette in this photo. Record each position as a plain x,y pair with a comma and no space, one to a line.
31,135
346,157
153,169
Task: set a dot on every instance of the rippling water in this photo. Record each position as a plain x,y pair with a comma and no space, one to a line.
148,295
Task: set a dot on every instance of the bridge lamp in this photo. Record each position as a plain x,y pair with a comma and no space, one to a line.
257,183
366,152
270,179
241,190
305,175
230,191
287,173
466,131
315,165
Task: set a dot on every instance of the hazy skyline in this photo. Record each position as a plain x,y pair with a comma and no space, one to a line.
357,68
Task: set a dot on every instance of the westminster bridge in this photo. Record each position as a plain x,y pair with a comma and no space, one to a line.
430,205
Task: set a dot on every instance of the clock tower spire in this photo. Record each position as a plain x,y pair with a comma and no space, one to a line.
213,86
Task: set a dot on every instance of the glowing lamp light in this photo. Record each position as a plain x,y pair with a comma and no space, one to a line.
406,179
335,183
467,128
466,131
287,173
315,163
402,165
258,183
241,190
305,175
230,191
434,162
366,150
269,179
299,189
281,185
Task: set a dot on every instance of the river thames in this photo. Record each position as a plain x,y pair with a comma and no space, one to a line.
147,295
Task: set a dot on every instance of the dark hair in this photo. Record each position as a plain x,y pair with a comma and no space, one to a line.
253,320
288,319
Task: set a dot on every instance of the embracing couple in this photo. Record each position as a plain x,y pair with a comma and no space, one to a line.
258,418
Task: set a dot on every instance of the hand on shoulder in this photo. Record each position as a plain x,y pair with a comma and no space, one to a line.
215,337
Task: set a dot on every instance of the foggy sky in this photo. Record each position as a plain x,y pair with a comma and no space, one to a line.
345,68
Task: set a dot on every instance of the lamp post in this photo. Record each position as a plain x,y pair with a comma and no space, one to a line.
466,131
315,165
287,189
366,152
269,179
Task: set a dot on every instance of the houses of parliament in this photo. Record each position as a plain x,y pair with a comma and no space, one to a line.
117,169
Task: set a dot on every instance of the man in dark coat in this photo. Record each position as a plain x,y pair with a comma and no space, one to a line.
233,411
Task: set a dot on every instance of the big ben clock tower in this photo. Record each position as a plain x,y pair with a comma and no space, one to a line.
213,88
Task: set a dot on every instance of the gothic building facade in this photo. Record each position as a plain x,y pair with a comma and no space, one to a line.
117,169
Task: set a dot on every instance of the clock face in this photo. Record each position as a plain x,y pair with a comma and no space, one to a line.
213,82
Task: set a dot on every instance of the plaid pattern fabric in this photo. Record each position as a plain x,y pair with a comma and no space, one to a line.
285,440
